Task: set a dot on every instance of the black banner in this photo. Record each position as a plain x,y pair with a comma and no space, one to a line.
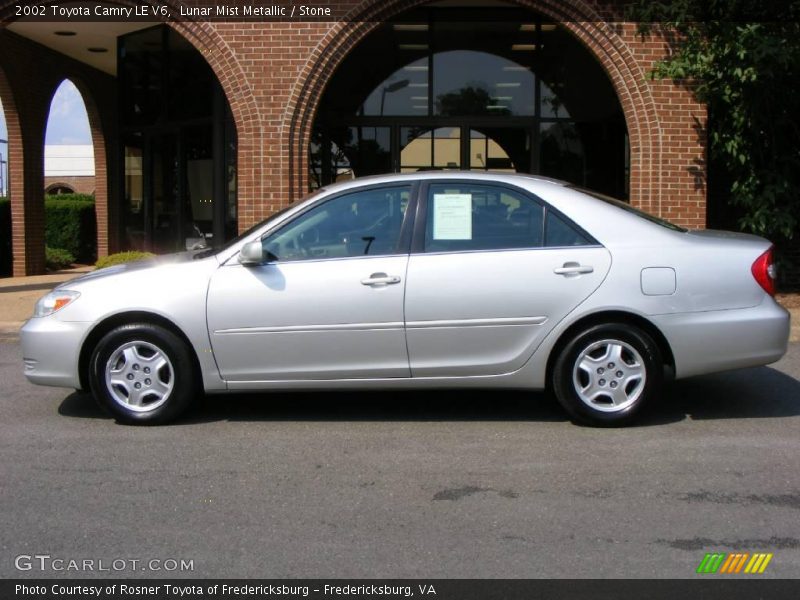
735,588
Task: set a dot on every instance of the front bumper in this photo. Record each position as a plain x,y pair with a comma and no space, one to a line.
51,350
719,340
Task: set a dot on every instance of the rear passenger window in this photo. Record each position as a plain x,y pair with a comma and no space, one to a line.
481,217
560,233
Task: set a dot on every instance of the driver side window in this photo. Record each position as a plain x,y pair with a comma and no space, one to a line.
366,222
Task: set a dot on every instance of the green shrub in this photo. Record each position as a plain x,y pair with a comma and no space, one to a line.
122,257
57,258
70,223
5,237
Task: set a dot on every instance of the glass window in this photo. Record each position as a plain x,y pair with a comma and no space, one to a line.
561,152
467,82
367,222
133,206
559,233
343,153
141,71
464,217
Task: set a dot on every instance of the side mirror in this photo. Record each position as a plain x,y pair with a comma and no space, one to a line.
252,254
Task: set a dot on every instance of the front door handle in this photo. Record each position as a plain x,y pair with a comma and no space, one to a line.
380,279
571,269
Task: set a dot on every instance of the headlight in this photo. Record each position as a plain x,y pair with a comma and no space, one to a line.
55,300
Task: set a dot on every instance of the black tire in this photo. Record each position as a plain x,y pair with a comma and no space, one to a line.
603,405
162,394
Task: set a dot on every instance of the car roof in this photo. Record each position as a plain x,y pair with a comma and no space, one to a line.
488,176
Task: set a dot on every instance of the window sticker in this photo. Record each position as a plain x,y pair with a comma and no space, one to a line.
452,216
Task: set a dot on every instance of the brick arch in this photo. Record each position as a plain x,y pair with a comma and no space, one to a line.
98,131
205,38
16,174
241,98
58,184
576,16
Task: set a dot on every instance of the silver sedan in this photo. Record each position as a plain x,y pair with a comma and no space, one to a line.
429,280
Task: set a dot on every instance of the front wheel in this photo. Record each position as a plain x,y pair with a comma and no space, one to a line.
143,374
606,374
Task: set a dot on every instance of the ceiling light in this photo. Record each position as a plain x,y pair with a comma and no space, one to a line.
527,27
97,49
507,85
413,46
65,33
410,27
523,47
548,26
416,68
516,68
501,98
420,98
424,84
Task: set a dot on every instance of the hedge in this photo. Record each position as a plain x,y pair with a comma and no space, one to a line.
70,223
57,258
5,237
122,257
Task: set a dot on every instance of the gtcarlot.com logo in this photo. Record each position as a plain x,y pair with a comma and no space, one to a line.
47,562
734,562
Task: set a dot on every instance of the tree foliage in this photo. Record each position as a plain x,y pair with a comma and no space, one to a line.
742,58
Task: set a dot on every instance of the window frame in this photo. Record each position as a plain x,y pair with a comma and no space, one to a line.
406,228
421,218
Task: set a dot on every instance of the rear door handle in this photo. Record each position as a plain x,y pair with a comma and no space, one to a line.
380,279
570,269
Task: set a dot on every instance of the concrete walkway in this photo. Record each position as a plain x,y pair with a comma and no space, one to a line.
19,294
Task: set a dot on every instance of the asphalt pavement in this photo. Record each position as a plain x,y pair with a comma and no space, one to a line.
452,484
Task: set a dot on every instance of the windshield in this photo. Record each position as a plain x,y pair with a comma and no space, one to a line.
249,231
628,208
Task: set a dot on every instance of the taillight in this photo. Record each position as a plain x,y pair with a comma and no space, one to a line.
764,272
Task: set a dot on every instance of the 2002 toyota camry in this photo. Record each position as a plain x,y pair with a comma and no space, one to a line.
430,280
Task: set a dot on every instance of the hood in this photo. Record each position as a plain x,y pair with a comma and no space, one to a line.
139,265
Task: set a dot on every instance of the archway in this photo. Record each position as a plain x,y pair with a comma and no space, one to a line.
15,260
69,154
5,207
179,140
575,18
203,38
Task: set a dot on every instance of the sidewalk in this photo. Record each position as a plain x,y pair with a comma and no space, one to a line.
19,294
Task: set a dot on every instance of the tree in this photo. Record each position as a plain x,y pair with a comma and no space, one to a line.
742,58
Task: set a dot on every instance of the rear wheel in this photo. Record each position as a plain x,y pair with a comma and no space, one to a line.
143,374
605,375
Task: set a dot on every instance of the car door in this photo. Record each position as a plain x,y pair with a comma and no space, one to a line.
328,303
492,270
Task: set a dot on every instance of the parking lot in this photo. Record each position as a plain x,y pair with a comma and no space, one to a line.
450,484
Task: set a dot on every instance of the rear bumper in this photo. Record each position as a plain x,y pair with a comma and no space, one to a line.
708,342
51,350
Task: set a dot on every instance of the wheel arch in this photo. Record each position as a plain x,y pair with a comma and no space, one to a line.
612,316
124,318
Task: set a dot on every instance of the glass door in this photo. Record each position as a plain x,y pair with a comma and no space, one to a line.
165,189
504,149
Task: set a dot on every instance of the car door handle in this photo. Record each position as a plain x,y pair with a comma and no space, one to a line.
573,268
380,279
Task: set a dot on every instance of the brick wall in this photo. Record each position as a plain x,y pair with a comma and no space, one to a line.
284,69
80,184
273,75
